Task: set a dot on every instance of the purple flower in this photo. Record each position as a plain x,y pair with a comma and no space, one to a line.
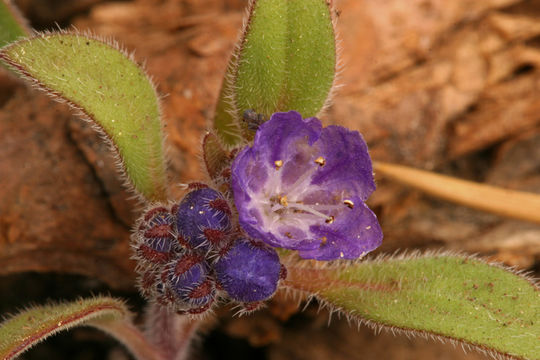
303,187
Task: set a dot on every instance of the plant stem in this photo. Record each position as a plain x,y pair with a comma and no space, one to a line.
308,276
509,203
132,338
171,332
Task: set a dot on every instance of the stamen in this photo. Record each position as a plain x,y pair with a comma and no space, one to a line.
289,235
324,240
349,203
278,164
308,209
302,183
280,205
320,161
326,207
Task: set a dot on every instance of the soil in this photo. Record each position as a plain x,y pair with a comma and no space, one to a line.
449,86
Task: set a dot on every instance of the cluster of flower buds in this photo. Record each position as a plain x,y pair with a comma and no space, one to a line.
189,254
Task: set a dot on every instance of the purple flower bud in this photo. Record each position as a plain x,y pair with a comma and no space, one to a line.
248,308
186,276
303,187
149,283
203,219
248,272
185,285
155,236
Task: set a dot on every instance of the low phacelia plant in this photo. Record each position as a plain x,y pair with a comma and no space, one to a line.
283,207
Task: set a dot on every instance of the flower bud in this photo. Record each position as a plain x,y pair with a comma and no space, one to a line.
203,219
249,272
188,279
155,237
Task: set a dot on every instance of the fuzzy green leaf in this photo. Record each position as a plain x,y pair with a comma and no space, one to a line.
453,297
286,60
216,159
29,327
110,89
11,27
225,119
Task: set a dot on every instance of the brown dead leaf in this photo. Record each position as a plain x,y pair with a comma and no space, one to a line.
55,213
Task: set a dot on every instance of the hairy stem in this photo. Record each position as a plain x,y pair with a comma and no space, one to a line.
311,280
171,332
132,338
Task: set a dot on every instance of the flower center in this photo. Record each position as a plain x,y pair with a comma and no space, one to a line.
282,206
297,203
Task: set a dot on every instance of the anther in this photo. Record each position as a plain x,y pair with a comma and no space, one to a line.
324,240
330,220
289,235
283,201
320,161
349,203
278,164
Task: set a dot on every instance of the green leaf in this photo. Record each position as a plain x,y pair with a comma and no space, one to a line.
216,159
29,327
108,88
458,298
225,119
286,60
12,26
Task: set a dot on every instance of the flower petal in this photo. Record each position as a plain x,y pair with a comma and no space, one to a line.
347,165
354,233
275,137
248,171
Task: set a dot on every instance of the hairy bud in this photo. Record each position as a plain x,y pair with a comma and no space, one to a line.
249,272
203,219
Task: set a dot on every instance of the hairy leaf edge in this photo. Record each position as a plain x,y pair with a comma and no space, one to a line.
242,41
231,73
94,312
80,112
291,260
